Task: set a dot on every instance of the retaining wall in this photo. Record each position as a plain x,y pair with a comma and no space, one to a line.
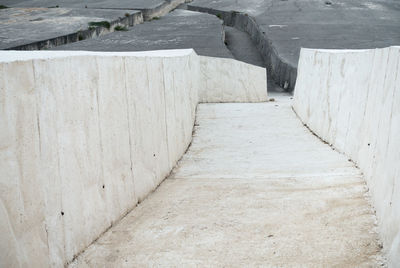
85,136
351,99
282,72
222,81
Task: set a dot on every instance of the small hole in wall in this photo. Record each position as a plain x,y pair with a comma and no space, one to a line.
104,186
62,213
369,144
154,155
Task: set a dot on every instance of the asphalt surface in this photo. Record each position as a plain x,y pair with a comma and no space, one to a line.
20,26
177,30
242,47
336,24
120,4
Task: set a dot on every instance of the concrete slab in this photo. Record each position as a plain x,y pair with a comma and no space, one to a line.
120,4
150,8
179,29
238,198
22,26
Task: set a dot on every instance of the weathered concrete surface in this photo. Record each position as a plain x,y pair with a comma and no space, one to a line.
86,135
24,26
287,26
120,4
242,47
178,29
150,8
224,80
351,99
255,188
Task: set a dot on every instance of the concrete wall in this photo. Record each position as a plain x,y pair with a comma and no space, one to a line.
351,99
222,81
85,136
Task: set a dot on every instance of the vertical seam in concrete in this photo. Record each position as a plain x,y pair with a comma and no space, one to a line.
390,125
146,61
63,257
129,128
36,108
40,150
99,124
165,111
380,114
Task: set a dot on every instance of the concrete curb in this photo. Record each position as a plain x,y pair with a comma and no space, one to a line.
131,20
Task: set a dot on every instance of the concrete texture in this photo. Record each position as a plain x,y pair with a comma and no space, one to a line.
179,29
38,28
222,81
33,25
85,136
283,27
351,99
242,47
255,188
107,4
149,8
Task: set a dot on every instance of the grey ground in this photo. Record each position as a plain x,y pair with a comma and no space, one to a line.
24,26
293,24
178,29
241,46
120,4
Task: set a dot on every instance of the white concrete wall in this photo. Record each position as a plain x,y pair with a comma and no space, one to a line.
84,136
351,99
222,81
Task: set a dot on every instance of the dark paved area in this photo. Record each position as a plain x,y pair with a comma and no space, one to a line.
19,26
242,47
292,24
120,4
179,29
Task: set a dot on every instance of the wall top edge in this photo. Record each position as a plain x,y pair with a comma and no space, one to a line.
16,55
338,51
